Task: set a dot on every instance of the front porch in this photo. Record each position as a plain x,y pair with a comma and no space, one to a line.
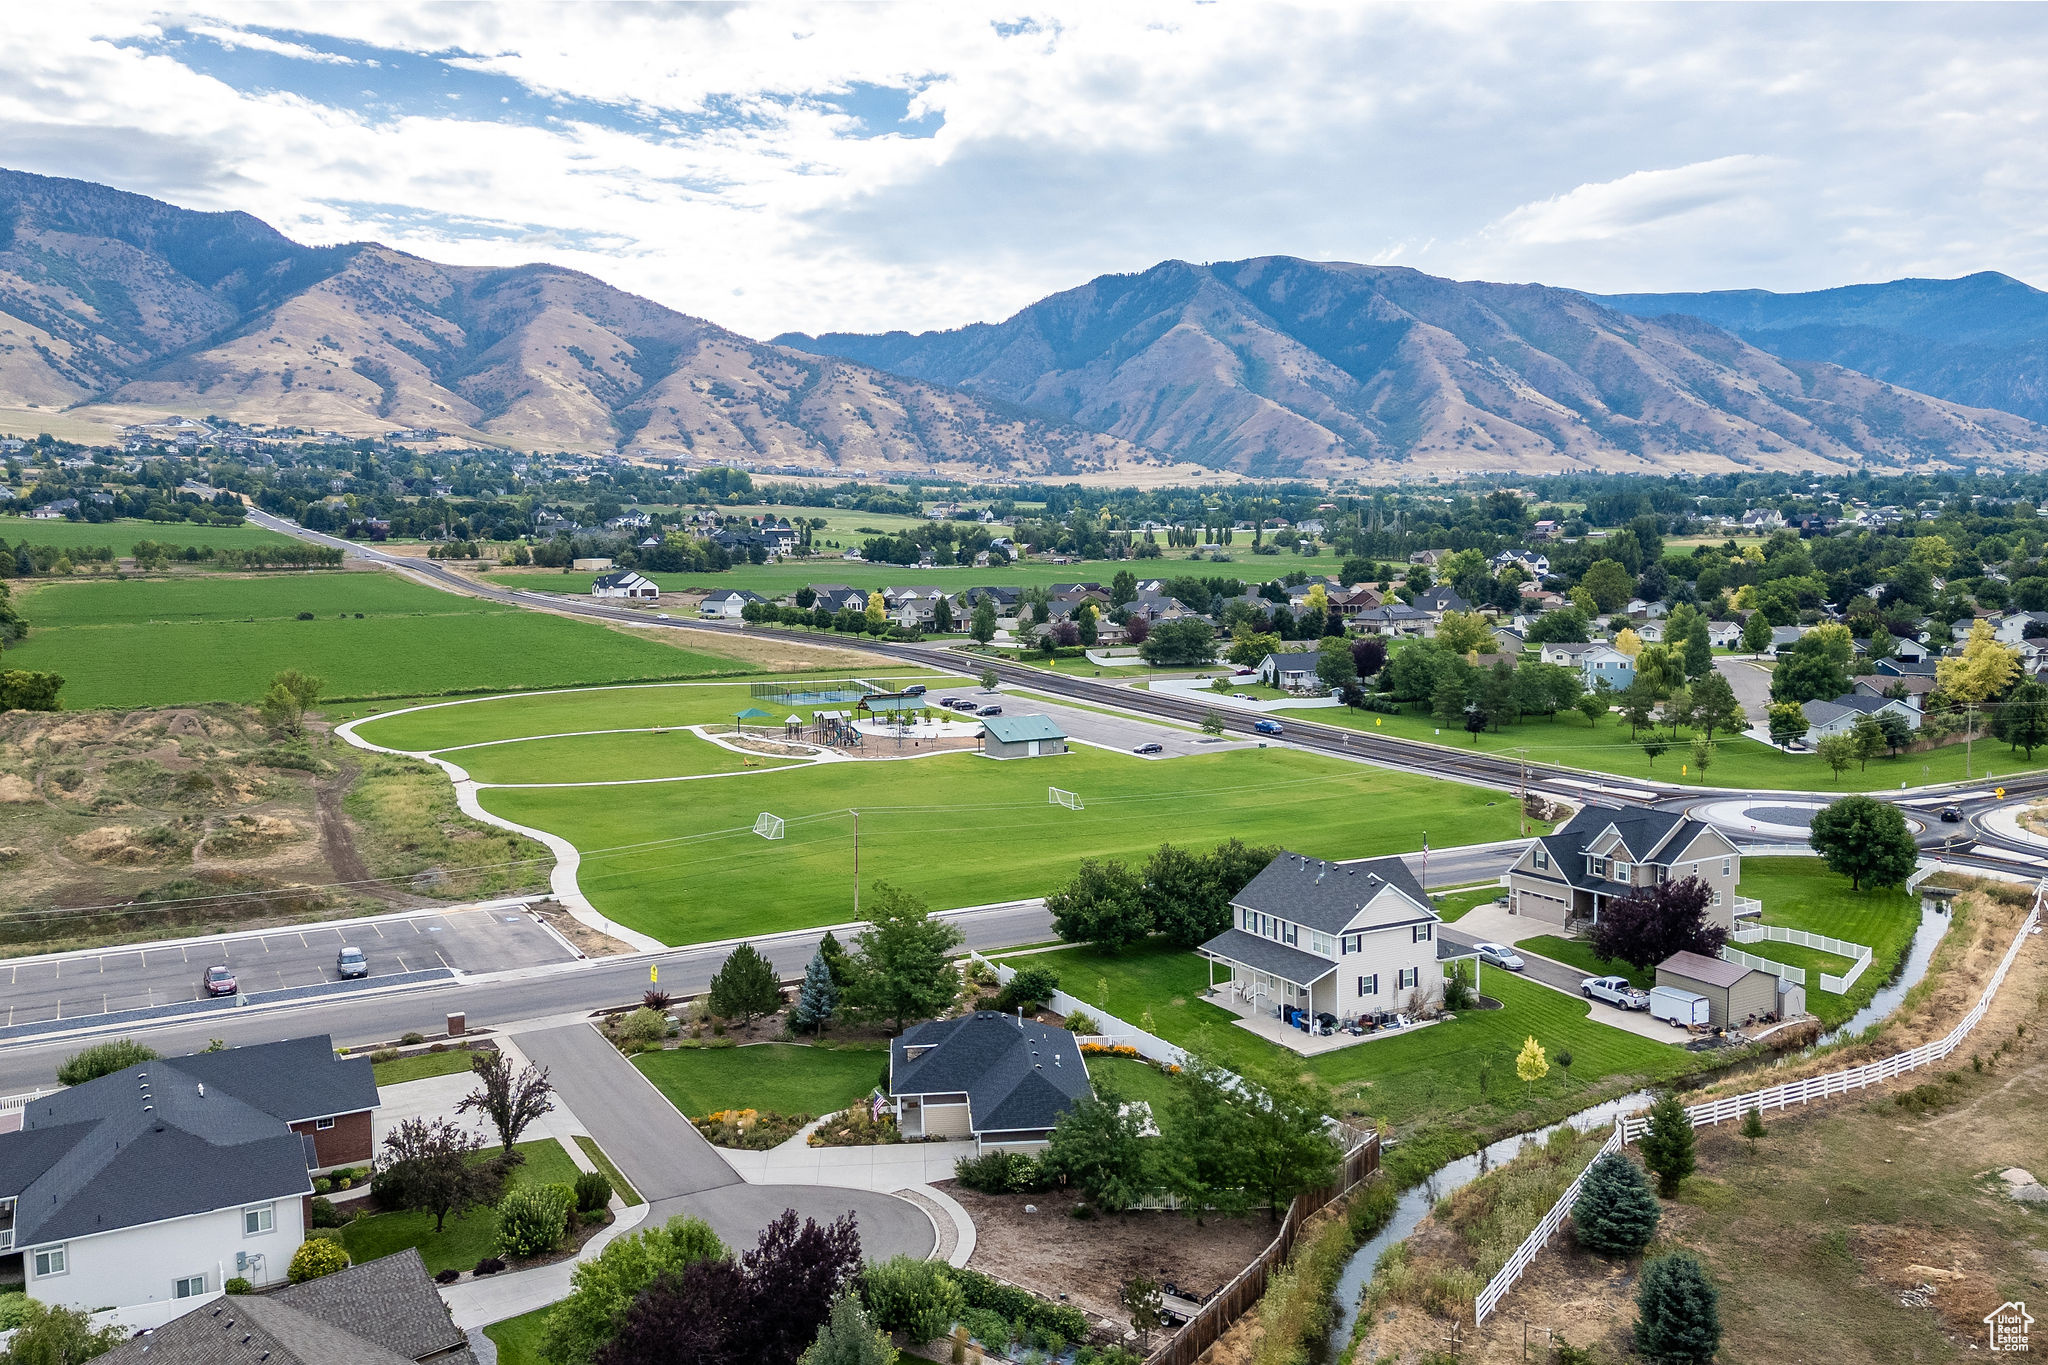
1258,1016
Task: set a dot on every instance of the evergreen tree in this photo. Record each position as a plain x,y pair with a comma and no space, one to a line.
745,987
1616,1214
1753,1126
1699,652
1756,634
1680,1308
818,997
1667,1147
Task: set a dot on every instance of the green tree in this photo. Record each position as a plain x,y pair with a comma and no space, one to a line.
1098,1146
1464,632
982,624
1447,703
1702,755
942,615
1611,584
1756,634
1186,642
1653,746
1752,1126
1638,706
1809,671
818,997
1865,840
914,1297
1786,723
1616,1213
1593,705
1212,722
1837,751
1248,646
1182,897
1084,617
103,1059
50,1334
432,1167
849,1338
1335,668
320,1256
604,1287
1197,1155
900,961
1868,737
1714,706
745,987
988,680
1680,1312
1103,903
1668,1145
2022,719
1284,1146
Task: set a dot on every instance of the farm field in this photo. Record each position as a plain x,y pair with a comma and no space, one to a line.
1739,762
122,535
777,580
162,643
1432,1075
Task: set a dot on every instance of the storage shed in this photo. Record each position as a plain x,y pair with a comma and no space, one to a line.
1021,737
1733,992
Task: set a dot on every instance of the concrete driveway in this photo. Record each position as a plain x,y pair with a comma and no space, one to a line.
1752,684
677,1172
1493,924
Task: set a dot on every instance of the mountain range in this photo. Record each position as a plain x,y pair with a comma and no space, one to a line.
122,307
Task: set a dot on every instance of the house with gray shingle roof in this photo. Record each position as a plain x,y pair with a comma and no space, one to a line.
998,1078
1605,853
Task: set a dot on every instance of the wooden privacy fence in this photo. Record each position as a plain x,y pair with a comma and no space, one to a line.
1630,1127
1238,1297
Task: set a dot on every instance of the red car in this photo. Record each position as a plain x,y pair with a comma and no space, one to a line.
220,980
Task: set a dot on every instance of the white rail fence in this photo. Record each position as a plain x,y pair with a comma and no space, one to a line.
1114,1031
1781,970
1630,1127
1859,954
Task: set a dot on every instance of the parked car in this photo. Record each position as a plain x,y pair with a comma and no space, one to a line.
1952,815
1500,955
1150,749
965,704
949,701
914,690
1616,991
990,711
351,963
1269,727
220,980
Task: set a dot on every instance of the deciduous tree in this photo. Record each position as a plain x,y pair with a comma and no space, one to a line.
1651,923
1865,840
604,1287
1103,903
431,1165
900,966
1098,1146
1983,671
509,1101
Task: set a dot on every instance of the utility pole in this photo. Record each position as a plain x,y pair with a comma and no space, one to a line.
856,865
1969,734
1522,794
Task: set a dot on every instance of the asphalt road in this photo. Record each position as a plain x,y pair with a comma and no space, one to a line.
568,990
1120,732
74,986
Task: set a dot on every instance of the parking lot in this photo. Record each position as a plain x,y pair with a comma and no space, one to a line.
1123,733
77,985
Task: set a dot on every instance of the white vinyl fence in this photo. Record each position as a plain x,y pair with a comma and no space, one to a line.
1783,971
1630,1127
1859,954
1115,1032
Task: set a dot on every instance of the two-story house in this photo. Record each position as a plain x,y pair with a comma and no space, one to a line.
1342,939
1597,663
1605,852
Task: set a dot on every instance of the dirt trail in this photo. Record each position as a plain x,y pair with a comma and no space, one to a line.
338,842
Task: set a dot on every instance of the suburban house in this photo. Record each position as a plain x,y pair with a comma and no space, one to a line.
1342,939
1395,619
1724,634
55,511
1605,852
837,597
997,1078
626,584
1290,672
1734,993
727,604
1838,717
1021,737
166,1179
1597,663
382,1312
1783,638
1440,599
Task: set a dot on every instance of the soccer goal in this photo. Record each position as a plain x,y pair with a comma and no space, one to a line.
1054,796
768,826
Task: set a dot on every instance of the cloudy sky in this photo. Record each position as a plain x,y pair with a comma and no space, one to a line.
864,167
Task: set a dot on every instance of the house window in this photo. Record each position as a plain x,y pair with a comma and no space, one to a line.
1725,868
1321,943
323,1125
1250,921
1621,872
258,1219
51,1261
191,1287
1542,856
1717,898
1410,976
1369,985
1423,933
1289,933
1354,943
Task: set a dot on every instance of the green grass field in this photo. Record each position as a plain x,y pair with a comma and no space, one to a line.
420,1066
959,829
788,1078
465,1240
164,643
518,1339
604,758
1431,1075
1738,761
122,535
778,580
1452,905
1132,1080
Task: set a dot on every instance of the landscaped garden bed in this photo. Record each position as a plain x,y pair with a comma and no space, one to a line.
470,1238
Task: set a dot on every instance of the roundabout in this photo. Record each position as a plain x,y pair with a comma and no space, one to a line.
1773,817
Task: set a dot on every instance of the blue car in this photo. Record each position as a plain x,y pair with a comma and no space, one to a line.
1269,727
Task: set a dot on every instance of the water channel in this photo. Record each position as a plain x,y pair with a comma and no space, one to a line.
1417,1200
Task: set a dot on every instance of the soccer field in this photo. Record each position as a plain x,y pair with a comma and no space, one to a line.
670,851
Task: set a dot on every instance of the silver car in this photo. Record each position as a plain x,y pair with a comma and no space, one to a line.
1616,991
350,964
1499,955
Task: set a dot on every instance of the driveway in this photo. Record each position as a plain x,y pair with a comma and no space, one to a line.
677,1172
1752,685
1492,924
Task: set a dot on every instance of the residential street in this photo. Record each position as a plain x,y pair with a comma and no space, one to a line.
1752,684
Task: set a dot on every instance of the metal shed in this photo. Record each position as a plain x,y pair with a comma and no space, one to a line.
1733,992
1021,737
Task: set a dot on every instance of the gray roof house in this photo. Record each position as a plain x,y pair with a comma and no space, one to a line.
1605,852
997,1078
1322,938
1290,671
160,1181
382,1312
1838,717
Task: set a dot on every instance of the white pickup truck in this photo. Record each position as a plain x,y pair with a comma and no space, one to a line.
1616,991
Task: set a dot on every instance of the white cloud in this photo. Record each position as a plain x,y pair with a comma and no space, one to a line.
690,152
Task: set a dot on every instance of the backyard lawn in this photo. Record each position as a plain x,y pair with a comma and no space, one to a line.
1133,1080
1461,1072
1606,746
464,1240
788,1078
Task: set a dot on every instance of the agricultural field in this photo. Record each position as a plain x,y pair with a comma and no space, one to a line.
953,827
778,580
1738,762
222,638
122,535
